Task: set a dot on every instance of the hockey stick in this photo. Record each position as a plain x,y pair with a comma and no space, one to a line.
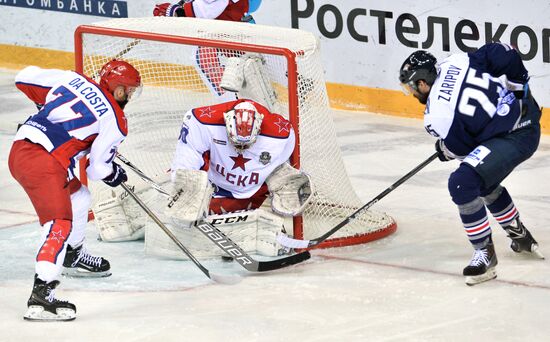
121,53
231,248
127,49
224,279
287,241
143,176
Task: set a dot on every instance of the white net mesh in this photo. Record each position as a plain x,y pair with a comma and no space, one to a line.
181,76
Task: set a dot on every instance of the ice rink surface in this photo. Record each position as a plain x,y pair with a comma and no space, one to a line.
406,287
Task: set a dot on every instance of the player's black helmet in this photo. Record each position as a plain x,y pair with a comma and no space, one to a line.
420,65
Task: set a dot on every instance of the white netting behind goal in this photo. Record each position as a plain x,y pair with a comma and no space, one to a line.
182,73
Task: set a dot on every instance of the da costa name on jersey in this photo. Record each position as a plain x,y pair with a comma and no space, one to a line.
91,93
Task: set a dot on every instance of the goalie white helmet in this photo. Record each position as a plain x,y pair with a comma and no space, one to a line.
243,124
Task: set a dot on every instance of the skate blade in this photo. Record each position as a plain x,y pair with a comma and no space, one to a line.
474,280
37,313
75,272
535,251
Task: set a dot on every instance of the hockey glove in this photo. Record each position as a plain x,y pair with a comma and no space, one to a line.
118,176
442,152
168,10
247,18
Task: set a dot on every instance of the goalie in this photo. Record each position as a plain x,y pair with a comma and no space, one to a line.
229,159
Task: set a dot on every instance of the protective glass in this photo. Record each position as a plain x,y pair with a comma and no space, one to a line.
408,88
134,92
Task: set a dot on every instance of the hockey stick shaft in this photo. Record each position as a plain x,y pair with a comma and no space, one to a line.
121,53
294,243
226,244
143,176
127,49
174,238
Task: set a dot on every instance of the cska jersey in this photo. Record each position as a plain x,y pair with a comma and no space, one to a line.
231,10
472,101
203,145
76,118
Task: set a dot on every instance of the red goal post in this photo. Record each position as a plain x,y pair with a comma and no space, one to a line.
168,53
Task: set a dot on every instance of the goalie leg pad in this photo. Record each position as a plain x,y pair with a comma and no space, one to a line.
110,220
269,226
254,231
157,243
118,217
290,190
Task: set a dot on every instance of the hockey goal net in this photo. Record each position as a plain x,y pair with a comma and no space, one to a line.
182,59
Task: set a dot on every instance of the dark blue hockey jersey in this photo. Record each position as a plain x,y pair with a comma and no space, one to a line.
472,99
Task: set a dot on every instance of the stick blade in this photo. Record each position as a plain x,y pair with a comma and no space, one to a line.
283,262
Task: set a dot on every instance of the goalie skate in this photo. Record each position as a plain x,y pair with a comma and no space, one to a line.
43,306
522,240
78,263
482,266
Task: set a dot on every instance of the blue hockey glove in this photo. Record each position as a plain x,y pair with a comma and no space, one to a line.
118,176
247,18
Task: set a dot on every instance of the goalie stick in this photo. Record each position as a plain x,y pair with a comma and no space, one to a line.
225,243
232,249
287,241
224,279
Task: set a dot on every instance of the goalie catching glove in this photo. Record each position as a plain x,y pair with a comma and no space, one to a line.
290,190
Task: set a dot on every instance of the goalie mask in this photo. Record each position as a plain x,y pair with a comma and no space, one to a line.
120,73
243,124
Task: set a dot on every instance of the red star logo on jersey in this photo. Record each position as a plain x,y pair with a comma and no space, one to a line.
239,161
206,112
283,125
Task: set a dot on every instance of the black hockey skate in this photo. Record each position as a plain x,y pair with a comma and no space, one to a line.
522,240
482,266
78,263
43,306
